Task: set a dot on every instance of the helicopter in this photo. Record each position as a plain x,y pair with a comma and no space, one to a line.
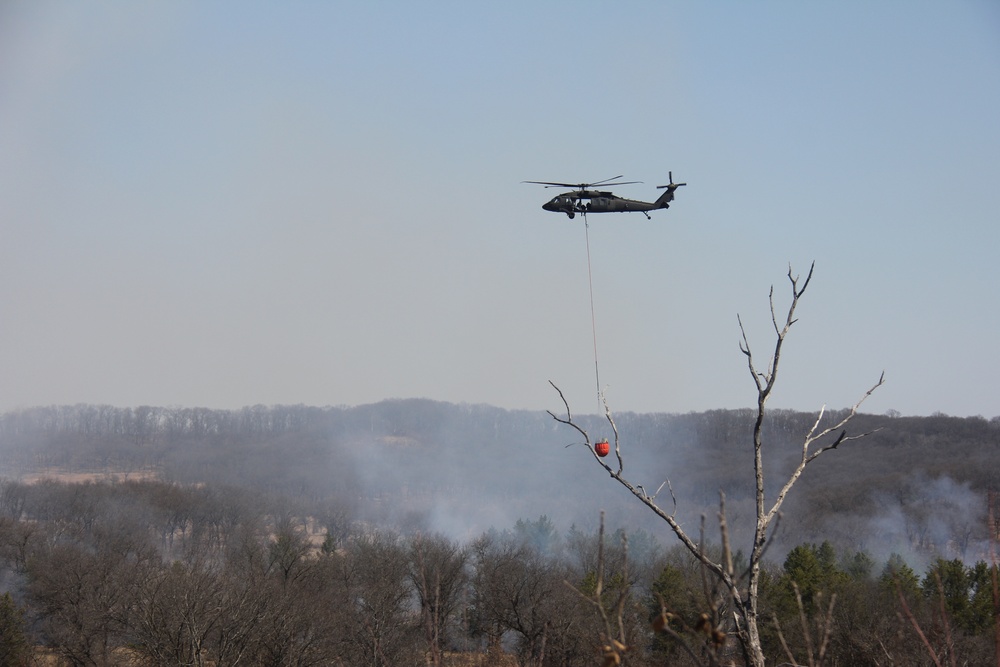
599,201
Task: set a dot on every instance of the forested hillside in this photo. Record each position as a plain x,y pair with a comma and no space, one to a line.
412,532
917,485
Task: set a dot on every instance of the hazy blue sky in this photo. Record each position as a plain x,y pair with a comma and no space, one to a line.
228,203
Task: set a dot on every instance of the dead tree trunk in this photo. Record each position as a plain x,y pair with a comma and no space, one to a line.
736,608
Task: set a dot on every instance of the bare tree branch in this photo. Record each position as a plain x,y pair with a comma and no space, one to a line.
811,437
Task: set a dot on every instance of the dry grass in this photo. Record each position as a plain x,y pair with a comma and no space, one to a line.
46,657
477,659
58,475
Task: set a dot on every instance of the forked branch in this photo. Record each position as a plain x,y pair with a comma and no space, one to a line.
812,437
637,490
568,420
765,381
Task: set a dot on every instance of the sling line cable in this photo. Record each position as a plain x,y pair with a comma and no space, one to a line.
593,318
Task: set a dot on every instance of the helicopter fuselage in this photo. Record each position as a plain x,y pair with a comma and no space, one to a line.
584,200
591,201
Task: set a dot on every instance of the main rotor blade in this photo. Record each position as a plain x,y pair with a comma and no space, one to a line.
607,182
605,185
553,185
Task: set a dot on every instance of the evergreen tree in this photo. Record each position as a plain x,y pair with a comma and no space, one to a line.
947,580
898,576
967,593
859,566
814,571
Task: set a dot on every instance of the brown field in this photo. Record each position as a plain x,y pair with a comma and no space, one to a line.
471,659
58,475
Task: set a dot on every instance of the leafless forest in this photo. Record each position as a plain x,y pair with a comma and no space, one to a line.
414,532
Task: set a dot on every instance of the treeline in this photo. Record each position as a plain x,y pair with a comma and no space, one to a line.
146,572
916,485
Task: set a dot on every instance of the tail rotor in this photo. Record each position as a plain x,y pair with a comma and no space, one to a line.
672,186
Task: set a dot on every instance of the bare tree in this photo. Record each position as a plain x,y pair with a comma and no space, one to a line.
83,594
614,640
175,614
376,598
515,589
740,590
437,571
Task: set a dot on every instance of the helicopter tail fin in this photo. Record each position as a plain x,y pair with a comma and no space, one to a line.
668,196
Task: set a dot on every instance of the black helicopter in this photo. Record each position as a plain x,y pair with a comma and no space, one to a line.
599,201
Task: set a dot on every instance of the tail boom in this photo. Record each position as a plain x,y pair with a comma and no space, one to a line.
668,196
